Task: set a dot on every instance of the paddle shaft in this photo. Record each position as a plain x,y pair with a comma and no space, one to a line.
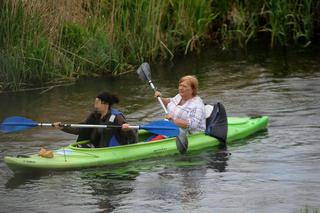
146,127
159,98
69,125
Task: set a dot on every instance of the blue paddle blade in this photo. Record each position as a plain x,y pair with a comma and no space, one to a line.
16,123
162,127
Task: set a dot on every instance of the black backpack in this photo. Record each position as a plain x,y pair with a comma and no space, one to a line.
217,123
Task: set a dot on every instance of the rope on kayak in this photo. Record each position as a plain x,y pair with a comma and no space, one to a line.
64,154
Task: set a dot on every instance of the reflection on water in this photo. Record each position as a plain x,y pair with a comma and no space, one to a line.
20,179
173,178
114,185
274,170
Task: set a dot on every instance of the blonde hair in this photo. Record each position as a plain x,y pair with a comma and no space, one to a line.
193,82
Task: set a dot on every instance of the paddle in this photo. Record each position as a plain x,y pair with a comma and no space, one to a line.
16,123
144,73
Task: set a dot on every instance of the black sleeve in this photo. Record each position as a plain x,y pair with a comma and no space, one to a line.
81,131
71,130
127,136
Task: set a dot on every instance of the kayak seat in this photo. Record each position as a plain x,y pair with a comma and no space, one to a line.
216,121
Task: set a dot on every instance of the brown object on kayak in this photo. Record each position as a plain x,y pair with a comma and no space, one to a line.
45,153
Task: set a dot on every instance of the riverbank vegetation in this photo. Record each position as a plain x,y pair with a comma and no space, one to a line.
45,42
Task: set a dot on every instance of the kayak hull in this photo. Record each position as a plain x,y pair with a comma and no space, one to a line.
73,157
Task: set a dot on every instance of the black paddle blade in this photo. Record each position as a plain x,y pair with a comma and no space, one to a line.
144,72
182,142
217,123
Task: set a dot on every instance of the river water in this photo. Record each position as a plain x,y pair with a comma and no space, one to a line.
277,170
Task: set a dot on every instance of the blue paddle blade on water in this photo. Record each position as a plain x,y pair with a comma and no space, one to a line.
16,124
162,127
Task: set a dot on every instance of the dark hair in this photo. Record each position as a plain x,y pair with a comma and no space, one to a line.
106,97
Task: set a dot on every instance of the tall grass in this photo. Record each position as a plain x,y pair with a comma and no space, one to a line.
307,210
286,22
45,41
289,20
26,55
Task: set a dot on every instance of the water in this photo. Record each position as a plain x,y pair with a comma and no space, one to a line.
274,171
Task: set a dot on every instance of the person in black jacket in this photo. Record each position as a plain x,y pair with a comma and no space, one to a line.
107,115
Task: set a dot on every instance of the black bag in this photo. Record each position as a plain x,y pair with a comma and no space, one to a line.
217,123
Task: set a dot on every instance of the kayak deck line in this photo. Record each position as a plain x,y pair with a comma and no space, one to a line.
74,157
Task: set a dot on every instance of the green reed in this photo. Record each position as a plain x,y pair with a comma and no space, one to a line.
45,41
286,22
307,210
27,58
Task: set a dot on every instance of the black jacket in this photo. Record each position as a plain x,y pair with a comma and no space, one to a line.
100,137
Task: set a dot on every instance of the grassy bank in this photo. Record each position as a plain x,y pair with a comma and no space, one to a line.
42,42
281,23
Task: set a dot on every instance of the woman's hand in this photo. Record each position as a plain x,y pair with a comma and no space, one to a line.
164,100
125,126
157,94
179,122
169,117
57,125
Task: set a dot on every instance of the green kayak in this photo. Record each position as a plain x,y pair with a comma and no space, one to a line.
73,157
